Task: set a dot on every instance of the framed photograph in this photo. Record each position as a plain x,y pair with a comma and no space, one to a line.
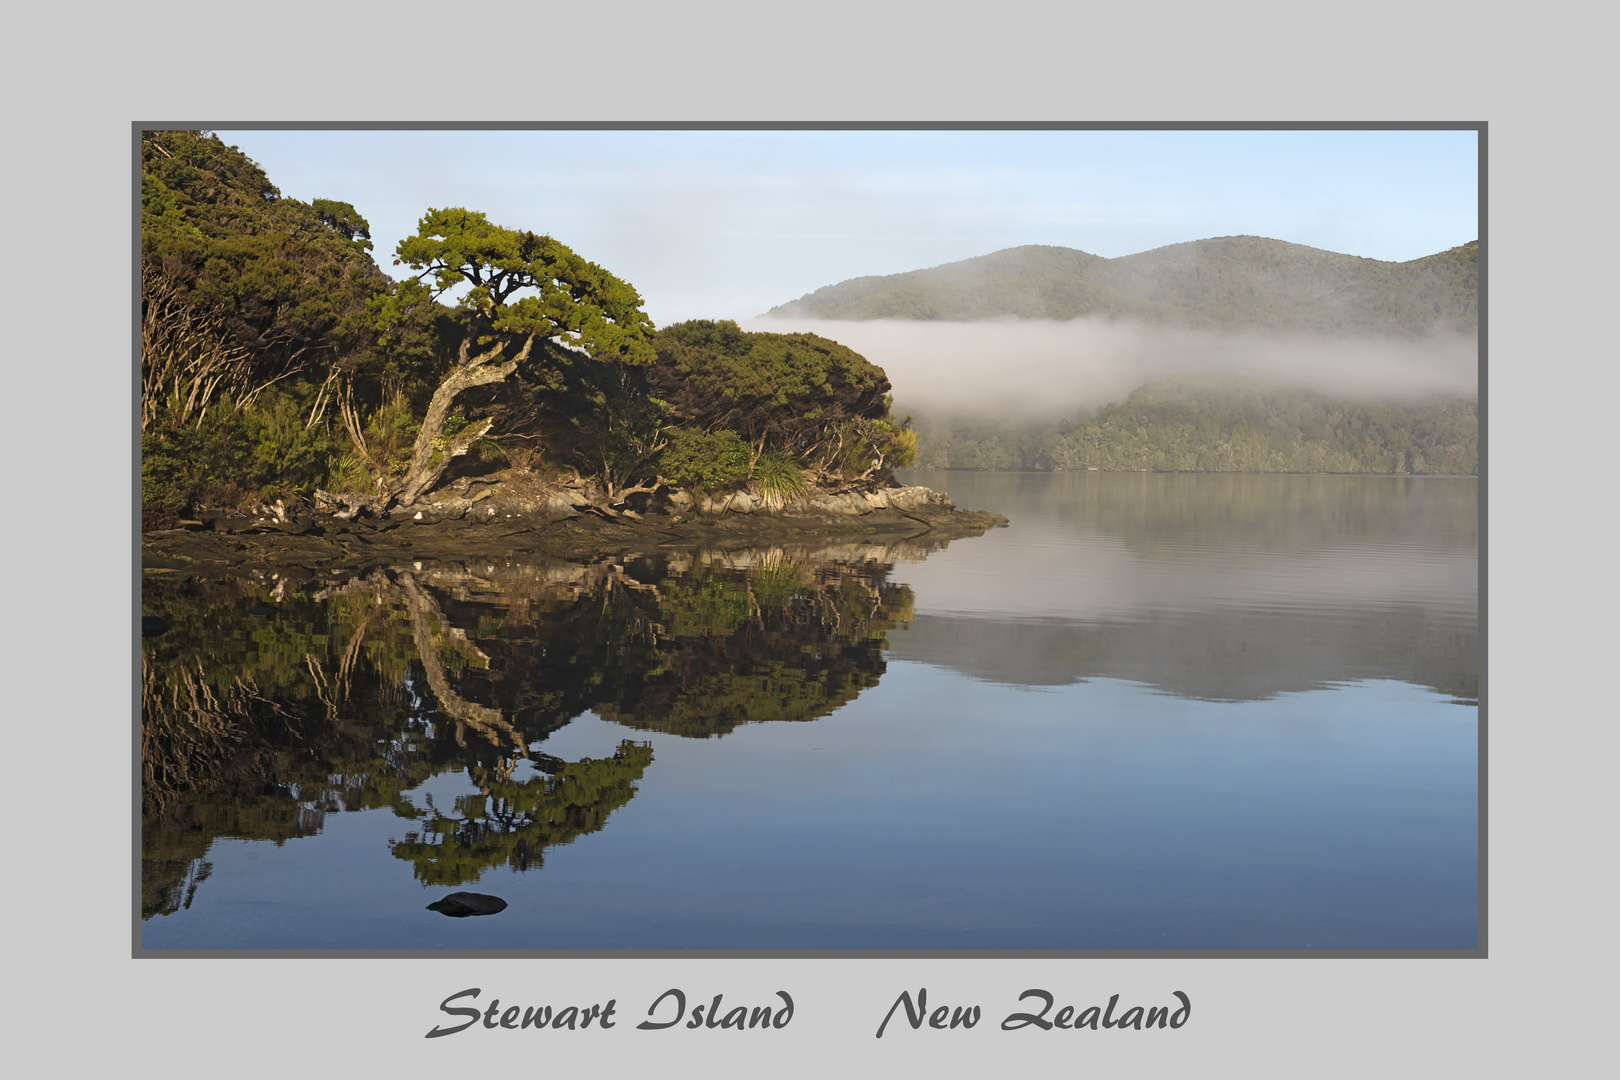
771,541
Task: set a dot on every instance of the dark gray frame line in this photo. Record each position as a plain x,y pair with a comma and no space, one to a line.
137,127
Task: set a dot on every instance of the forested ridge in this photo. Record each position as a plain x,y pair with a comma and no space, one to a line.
1191,425
1229,282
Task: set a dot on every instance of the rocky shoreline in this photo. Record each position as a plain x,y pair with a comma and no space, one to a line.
482,524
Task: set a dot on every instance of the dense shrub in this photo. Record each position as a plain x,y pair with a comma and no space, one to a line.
197,465
787,389
704,459
289,458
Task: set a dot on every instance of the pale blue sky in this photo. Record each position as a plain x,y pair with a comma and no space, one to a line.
726,224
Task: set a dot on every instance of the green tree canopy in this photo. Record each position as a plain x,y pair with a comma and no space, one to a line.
782,388
285,279
799,395
344,220
523,283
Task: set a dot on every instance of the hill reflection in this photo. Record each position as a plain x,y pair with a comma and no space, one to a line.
1217,587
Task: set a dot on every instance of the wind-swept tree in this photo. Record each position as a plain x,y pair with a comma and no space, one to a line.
521,288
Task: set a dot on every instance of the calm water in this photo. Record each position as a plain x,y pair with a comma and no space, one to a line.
1157,712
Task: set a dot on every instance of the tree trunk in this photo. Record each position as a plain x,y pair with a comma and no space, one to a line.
425,471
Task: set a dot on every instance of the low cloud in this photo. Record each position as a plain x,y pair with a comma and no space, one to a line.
1042,368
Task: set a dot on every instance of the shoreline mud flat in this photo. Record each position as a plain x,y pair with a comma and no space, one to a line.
462,530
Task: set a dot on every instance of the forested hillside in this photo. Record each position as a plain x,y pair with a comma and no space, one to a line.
1230,282
1227,284
1218,426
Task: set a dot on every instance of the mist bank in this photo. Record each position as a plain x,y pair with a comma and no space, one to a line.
1044,369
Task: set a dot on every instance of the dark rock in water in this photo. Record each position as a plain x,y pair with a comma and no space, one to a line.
153,625
459,905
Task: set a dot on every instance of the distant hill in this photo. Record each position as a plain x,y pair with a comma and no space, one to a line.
1218,425
1230,282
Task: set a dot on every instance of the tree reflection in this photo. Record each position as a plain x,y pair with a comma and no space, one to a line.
512,822
259,720
781,641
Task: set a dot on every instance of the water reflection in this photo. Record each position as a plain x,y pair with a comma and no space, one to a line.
429,694
1225,587
267,705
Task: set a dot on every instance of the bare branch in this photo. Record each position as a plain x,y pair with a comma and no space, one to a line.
322,396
